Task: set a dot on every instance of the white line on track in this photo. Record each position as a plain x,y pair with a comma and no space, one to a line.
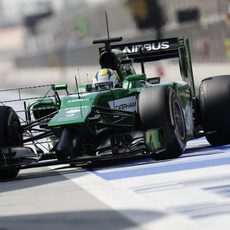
129,204
186,199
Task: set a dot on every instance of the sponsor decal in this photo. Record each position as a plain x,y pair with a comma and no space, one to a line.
148,46
78,100
73,111
126,104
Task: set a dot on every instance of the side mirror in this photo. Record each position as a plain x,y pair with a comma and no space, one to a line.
60,87
57,87
89,88
136,77
154,80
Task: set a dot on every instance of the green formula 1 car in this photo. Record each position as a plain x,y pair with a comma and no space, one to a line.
140,117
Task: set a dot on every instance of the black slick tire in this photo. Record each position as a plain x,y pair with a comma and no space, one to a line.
159,107
10,136
214,97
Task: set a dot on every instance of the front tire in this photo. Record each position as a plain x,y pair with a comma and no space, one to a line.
159,107
214,95
10,136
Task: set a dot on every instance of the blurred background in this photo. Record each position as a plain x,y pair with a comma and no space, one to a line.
37,36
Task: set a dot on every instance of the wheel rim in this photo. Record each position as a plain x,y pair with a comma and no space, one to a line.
178,119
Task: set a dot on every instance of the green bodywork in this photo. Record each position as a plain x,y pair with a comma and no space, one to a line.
83,111
153,140
79,112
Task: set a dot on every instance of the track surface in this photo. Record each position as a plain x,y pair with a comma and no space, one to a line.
192,191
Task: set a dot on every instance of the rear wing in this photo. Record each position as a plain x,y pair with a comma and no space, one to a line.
155,50
146,51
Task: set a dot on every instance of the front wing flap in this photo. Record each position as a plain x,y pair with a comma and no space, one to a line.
17,156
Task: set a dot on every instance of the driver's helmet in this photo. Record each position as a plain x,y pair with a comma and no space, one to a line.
106,79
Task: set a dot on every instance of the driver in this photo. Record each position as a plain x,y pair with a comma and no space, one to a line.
106,79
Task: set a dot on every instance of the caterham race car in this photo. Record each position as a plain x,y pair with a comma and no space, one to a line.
99,122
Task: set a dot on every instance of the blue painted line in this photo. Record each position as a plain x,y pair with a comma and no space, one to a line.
223,147
156,169
148,160
223,190
218,187
203,211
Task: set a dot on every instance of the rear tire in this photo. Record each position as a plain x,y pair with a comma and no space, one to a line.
214,97
10,136
158,107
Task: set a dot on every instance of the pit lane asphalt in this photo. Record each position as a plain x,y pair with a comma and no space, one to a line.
44,199
190,192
